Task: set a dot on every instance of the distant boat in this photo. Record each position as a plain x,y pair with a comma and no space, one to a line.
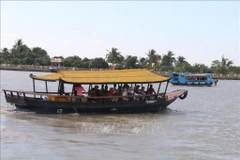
53,69
55,64
204,79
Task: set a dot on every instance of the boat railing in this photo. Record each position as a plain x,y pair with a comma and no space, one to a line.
54,96
196,80
19,93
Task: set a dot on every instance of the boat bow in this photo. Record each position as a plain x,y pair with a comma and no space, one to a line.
181,94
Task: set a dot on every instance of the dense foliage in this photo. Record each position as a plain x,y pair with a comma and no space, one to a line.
22,54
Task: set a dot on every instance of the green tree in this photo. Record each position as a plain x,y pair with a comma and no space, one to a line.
234,70
142,62
98,63
131,62
118,67
5,55
61,57
18,44
184,67
85,62
19,52
39,56
199,68
168,59
223,66
151,58
180,60
114,56
73,61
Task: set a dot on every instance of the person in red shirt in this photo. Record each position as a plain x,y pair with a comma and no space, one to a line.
79,89
151,90
111,92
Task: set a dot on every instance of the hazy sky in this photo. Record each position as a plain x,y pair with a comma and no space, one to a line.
199,31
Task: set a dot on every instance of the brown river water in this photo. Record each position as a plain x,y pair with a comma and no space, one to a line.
205,125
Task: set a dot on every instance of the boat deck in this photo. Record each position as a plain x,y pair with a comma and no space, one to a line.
174,94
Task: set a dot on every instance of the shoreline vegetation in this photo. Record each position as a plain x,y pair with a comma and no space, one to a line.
21,57
46,69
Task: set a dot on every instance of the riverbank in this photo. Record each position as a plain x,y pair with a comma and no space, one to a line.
221,76
218,76
28,69
46,69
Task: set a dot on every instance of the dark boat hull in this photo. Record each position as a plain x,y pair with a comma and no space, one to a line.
197,85
51,107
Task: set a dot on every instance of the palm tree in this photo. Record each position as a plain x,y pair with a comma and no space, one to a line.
6,53
222,66
114,56
5,50
131,62
168,59
152,58
142,62
216,63
18,44
180,61
225,63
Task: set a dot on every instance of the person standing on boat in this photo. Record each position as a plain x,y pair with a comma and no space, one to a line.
79,89
61,88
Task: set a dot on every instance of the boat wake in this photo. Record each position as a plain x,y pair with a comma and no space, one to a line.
169,111
6,112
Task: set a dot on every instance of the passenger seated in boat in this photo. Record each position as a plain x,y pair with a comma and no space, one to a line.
137,90
92,93
130,91
119,91
151,90
111,92
114,88
102,88
97,91
143,92
106,91
137,93
124,94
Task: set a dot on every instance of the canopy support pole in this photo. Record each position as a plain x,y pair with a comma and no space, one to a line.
34,90
89,87
46,86
59,88
166,88
159,86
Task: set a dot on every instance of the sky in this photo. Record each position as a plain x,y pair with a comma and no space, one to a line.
201,31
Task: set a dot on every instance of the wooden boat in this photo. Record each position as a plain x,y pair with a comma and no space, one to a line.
63,101
204,79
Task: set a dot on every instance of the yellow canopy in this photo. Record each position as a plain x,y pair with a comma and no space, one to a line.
104,76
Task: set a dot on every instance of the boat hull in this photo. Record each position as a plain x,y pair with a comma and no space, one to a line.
198,85
51,107
150,104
